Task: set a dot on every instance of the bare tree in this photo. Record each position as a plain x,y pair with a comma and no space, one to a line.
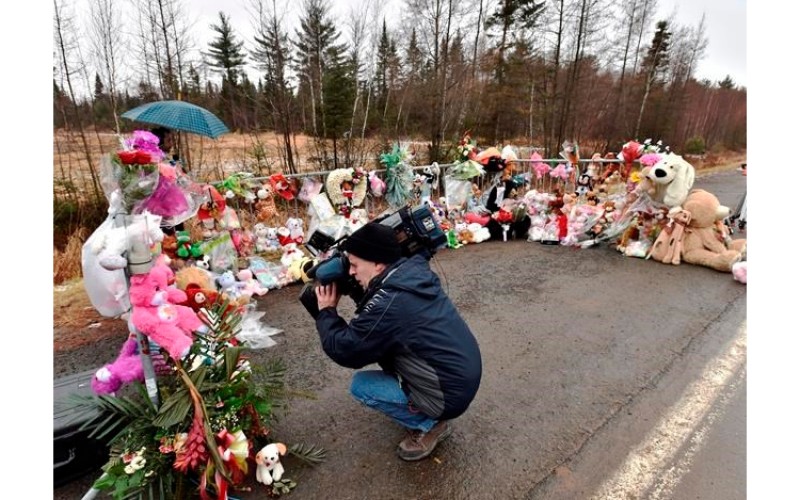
65,34
106,41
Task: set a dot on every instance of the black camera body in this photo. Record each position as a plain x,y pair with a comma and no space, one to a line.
417,232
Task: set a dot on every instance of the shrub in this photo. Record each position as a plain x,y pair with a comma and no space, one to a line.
695,145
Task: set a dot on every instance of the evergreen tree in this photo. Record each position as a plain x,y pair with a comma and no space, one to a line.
99,88
339,89
317,49
271,55
510,16
225,51
727,83
382,67
654,65
657,59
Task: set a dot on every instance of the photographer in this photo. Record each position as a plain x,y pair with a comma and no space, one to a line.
430,361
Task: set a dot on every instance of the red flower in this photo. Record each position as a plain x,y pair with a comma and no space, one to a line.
127,157
143,157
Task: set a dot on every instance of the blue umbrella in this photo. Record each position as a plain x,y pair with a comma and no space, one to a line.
179,115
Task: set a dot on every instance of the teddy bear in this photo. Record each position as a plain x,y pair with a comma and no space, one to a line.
252,285
295,226
260,232
228,285
670,179
125,369
156,313
704,242
110,247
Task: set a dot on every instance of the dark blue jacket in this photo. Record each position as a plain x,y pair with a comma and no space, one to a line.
408,325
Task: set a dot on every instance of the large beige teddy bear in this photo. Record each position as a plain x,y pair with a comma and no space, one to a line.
705,241
669,180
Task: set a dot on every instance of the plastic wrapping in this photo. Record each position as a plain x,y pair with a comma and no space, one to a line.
107,290
254,333
457,192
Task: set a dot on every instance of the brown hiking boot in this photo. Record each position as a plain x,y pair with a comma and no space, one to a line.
418,445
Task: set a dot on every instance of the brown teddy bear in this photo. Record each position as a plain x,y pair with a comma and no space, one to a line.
705,242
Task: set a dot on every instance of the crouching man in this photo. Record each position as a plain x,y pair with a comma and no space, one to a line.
430,361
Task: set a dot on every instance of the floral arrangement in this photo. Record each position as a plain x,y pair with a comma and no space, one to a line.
399,177
467,148
212,419
347,188
133,170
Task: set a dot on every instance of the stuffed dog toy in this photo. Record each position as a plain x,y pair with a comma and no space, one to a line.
268,463
672,178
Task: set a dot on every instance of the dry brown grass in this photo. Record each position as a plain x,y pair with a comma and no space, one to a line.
67,263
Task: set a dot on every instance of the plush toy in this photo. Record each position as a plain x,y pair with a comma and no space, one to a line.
284,236
669,244
196,275
110,246
672,178
199,298
229,286
703,242
260,231
252,286
739,270
268,463
124,370
156,313
295,226
479,233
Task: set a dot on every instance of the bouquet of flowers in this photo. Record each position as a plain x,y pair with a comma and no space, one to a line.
212,419
132,172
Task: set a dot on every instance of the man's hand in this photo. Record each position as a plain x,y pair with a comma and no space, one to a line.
327,296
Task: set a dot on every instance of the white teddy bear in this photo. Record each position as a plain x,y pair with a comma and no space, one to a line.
112,246
295,226
261,232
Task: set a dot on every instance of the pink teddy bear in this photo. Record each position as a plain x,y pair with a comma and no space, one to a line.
157,314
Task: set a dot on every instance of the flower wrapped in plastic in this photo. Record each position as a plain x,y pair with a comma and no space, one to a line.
399,176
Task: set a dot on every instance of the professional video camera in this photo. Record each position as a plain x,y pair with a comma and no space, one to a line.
416,230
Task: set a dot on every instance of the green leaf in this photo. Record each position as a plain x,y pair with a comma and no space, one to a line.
174,410
231,358
310,454
104,482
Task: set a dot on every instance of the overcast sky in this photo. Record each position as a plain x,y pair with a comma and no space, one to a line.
725,27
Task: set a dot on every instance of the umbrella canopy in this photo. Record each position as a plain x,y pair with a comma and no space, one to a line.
179,115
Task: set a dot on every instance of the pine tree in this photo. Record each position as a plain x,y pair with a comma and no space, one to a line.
654,64
317,50
339,89
727,83
225,52
271,55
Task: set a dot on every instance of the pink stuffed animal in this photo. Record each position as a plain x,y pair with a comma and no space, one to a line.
252,285
125,369
739,270
156,314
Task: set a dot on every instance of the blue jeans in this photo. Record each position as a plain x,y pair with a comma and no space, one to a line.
381,391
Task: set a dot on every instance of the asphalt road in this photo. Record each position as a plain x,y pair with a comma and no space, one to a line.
605,377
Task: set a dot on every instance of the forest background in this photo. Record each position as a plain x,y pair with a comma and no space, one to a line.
333,92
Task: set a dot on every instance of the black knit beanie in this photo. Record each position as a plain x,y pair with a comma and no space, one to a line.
374,242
